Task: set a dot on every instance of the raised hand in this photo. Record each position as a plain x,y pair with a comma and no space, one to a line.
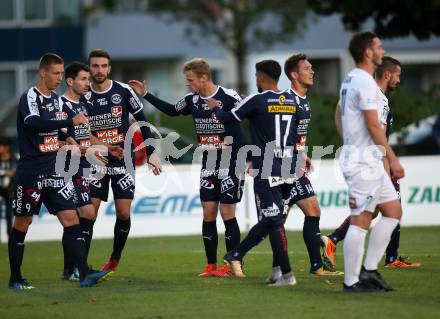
141,88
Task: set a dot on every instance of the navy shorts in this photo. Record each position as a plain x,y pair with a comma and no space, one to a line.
122,183
82,190
269,200
220,183
300,189
51,190
224,189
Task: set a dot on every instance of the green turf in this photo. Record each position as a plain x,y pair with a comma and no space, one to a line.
157,279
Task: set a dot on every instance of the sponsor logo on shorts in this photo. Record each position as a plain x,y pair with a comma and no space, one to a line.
34,195
67,191
126,182
95,182
206,183
227,184
17,204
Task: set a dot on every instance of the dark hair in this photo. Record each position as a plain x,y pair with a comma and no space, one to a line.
359,43
98,53
74,68
388,64
49,59
292,62
269,67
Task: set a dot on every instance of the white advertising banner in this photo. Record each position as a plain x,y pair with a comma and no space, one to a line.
169,204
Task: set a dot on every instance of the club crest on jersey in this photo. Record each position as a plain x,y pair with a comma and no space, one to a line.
116,98
116,111
195,99
282,99
297,99
88,95
61,115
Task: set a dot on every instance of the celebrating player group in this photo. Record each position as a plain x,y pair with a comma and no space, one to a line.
72,150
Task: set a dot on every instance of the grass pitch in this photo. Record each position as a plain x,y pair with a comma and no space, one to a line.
157,278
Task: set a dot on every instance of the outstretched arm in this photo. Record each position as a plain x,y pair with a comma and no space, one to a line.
141,89
38,124
222,116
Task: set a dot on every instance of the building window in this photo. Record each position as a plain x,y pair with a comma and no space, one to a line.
66,12
36,10
7,10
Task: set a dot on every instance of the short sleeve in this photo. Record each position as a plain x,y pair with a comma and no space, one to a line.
368,96
245,108
233,99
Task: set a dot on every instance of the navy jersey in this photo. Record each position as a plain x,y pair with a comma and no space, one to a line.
108,114
390,120
209,130
38,150
301,124
80,133
272,116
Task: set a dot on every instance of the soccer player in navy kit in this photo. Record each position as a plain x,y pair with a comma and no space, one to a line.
271,113
112,102
220,188
71,103
387,78
300,72
38,122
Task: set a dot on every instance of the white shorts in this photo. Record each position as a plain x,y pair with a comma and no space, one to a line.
368,188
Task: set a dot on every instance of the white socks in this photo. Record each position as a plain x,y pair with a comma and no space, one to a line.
379,238
353,253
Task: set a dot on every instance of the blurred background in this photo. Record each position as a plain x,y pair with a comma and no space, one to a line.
150,40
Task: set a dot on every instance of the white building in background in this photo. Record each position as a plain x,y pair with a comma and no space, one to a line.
152,47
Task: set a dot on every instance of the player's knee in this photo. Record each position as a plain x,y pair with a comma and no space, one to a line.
68,218
22,223
310,207
227,211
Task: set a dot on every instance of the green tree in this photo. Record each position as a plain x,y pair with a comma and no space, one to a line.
392,18
239,25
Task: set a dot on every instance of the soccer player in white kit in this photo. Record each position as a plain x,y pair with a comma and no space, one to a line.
361,160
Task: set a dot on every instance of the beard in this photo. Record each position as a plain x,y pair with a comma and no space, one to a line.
104,78
259,89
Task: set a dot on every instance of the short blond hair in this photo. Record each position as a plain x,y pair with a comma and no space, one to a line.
199,66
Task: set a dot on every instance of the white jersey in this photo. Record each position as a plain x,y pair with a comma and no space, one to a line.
359,92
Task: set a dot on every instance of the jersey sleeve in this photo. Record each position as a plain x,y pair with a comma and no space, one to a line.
134,104
368,97
233,99
245,108
28,105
